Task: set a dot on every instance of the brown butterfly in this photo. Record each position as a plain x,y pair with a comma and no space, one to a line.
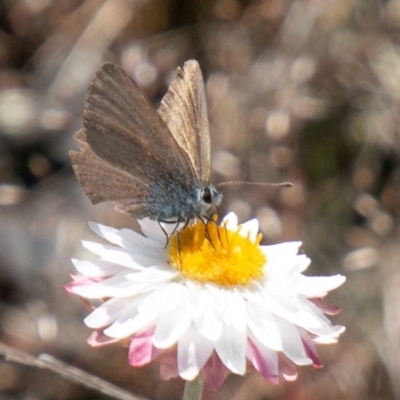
151,163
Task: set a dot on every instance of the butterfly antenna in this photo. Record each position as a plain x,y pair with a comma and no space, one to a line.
231,183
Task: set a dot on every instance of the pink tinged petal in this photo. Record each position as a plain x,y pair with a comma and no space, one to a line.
80,277
287,369
141,349
73,287
325,329
292,345
326,308
330,339
171,326
318,286
264,360
231,349
193,352
290,377
168,364
98,339
310,349
214,373
204,315
108,312
116,286
263,326
249,229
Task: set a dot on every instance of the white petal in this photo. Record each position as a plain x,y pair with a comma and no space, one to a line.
152,230
282,249
204,314
249,229
116,286
166,298
318,286
217,296
235,314
138,244
151,306
171,326
107,313
231,349
152,274
263,326
292,345
130,322
112,254
304,262
96,269
286,268
193,352
290,308
125,238
230,221
106,232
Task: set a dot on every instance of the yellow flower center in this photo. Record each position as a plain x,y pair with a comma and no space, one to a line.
212,253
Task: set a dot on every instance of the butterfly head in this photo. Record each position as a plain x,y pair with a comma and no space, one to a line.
208,197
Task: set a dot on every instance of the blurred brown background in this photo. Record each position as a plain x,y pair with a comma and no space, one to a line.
306,91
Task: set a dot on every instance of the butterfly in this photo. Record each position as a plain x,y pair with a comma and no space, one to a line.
150,163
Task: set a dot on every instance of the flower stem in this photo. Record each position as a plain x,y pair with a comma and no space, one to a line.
193,389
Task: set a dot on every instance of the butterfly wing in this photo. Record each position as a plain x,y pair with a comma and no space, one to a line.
184,110
126,147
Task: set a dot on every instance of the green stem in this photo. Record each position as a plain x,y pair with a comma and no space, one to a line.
193,389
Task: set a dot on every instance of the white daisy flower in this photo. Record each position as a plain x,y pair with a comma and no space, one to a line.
212,302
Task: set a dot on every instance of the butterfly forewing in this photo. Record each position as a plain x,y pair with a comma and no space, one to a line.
126,146
184,110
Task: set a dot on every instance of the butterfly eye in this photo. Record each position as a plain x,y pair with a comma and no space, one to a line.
207,195
210,195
